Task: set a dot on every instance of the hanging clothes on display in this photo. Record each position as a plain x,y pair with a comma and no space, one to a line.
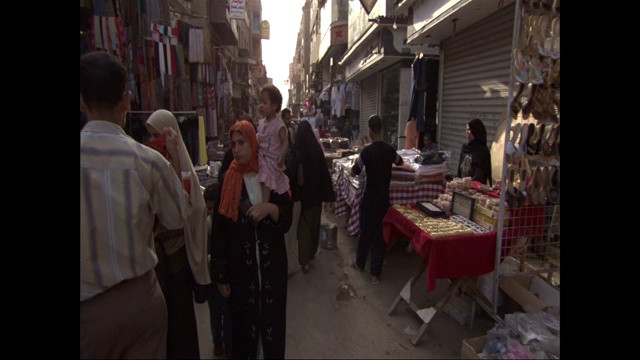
432,66
325,103
108,34
190,134
424,95
418,91
170,65
224,93
338,99
355,96
196,41
352,102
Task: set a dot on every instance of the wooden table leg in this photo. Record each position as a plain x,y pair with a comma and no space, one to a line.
405,293
427,314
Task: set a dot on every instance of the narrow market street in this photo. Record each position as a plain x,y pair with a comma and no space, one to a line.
334,312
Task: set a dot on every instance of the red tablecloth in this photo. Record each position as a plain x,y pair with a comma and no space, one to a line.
447,257
349,195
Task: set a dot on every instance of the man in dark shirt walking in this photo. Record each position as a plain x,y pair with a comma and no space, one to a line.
376,159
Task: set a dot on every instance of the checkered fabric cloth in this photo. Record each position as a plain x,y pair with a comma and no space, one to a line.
349,194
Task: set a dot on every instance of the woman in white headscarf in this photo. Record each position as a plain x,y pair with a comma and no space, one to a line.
182,253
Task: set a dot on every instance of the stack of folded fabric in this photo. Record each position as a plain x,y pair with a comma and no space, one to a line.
431,173
403,175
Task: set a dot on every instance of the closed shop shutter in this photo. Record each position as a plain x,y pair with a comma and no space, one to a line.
475,80
369,101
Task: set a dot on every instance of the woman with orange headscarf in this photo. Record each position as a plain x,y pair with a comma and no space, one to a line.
249,259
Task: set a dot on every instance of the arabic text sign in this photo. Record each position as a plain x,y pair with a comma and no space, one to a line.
236,9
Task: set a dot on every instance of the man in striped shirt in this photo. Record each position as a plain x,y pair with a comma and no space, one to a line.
125,187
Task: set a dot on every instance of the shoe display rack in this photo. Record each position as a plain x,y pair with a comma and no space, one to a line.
529,219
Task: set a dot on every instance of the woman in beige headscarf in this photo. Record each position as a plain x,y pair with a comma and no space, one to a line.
184,251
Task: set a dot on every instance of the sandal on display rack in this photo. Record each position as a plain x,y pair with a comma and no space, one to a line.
527,108
555,50
533,192
538,137
542,190
554,185
521,67
531,132
516,105
550,140
522,141
535,70
510,148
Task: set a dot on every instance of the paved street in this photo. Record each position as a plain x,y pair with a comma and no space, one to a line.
334,312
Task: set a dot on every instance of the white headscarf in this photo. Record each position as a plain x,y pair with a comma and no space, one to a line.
195,230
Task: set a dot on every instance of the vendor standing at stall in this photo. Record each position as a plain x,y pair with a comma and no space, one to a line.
475,157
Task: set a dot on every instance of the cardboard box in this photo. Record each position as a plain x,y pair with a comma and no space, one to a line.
472,347
489,216
459,310
531,292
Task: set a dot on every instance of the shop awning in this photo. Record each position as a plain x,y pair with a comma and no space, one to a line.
452,15
376,63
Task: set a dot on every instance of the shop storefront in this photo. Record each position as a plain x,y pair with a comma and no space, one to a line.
502,66
476,69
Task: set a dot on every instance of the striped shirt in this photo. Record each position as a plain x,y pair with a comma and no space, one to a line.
124,185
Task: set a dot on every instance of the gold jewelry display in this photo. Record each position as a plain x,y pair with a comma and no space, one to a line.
436,228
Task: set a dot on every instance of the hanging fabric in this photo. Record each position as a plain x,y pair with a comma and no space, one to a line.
418,88
432,65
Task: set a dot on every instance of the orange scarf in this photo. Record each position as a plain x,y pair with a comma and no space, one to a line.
160,145
233,179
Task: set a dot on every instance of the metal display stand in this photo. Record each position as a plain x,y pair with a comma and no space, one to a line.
530,233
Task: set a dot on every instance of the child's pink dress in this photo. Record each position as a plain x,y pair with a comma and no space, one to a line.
269,152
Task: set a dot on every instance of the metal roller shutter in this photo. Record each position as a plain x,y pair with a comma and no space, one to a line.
369,101
475,80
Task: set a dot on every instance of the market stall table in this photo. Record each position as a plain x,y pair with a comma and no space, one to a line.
458,257
349,191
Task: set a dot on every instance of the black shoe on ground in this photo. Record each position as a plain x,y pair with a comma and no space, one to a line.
354,265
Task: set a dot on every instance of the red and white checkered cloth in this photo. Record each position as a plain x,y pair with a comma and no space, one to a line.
349,196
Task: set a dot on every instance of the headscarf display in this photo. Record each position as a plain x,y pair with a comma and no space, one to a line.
195,230
233,179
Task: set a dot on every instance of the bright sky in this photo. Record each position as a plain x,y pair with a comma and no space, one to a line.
277,52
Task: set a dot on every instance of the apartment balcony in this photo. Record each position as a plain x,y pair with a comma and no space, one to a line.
221,23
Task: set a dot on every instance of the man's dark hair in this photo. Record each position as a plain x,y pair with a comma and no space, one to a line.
103,80
285,111
274,95
375,124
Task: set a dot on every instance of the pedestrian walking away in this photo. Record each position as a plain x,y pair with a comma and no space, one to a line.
376,160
